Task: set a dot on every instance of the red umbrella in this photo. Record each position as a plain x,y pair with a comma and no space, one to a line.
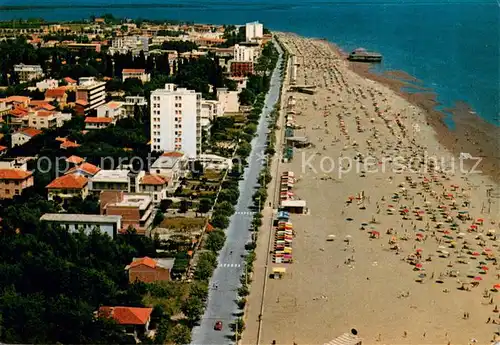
484,268
446,232
496,286
478,278
473,226
419,265
421,212
420,235
419,250
476,254
406,210
487,249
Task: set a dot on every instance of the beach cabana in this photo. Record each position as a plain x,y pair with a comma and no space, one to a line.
294,206
283,215
278,272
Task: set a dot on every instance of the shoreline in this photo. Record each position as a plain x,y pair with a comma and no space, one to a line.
472,134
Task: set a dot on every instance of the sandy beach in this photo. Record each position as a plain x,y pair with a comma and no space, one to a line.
416,234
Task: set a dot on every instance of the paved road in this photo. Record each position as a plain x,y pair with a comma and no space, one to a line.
221,301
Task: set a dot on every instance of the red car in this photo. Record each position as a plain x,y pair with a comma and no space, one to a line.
218,326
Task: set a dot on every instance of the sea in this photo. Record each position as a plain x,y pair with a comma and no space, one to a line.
452,47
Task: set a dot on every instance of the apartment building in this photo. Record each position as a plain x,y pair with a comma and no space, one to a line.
254,31
28,72
176,120
109,225
116,180
244,53
133,44
91,91
210,109
13,181
137,73
130,104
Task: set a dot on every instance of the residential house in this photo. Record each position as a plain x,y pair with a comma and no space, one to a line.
23,136
214,162
132,103
14,181
134,320
67,144
137,73
87,222
112,110
74,160
5,107
57,95
47,84
154,185
28,72
115,180
70,82
68,186
137,210
85,169
98,122
17,117
47,119
148,270
41,105
172,166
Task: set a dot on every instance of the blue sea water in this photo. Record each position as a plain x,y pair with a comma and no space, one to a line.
451,46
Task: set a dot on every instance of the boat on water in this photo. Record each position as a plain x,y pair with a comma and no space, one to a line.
361,55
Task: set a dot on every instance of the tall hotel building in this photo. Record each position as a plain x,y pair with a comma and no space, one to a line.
176,120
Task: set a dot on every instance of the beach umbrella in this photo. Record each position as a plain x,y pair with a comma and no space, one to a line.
473,226
496,286
419,250
419,265
348,236
485,268
478,278
475,254
446,232
420,235
423,275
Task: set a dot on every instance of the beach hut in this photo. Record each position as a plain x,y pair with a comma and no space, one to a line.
278,272
294,206
283,215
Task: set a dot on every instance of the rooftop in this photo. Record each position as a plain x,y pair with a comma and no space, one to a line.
71,181
31,132
152,263
111,176
133,70
79,218
166,162
14,174
98,120
153,179
85,167
127,315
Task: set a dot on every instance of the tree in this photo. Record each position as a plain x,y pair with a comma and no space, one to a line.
184,206
215,240
193,309
207,262
180,334
204,205
220,221
159,216
224,208
199,289
229,194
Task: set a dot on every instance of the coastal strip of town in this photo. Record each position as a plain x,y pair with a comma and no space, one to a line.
391,237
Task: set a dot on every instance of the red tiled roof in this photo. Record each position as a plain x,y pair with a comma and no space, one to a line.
146,261
86,167
126,315
42,105
153,179
66,144
133,70
44,113
70,80
98,120
74,159
173,154
71,181
18,112
14,174
31,132
18,99
55,93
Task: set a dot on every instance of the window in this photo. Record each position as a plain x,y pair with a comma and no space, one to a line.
16,192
